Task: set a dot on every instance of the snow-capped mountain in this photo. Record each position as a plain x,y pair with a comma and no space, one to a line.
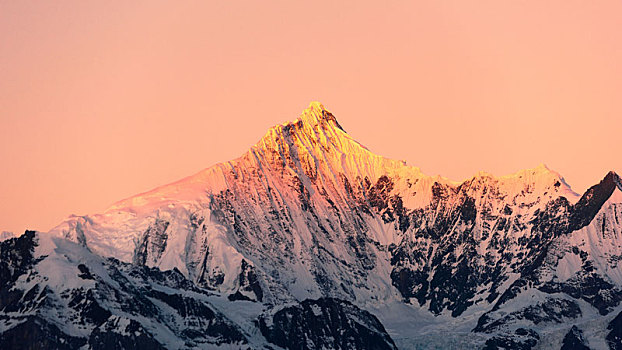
313,233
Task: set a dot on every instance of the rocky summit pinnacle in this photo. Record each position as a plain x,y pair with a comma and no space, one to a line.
310,240
317,114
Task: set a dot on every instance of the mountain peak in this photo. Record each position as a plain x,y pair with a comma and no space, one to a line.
317,114
314,121
316,105
604,188
316,125
615,178
542,168
612,178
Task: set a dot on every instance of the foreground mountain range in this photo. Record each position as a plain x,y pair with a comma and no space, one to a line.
310,241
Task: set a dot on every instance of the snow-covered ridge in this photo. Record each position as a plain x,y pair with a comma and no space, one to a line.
313,135
317,138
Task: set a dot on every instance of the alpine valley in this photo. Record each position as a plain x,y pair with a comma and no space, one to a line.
311,241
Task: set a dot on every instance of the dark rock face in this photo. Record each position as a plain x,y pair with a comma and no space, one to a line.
129,336
325,323
153,243
523,339
249,281
590,287
552,310
593,199
614,337
238,296
36,333
88,307
16,258
574,340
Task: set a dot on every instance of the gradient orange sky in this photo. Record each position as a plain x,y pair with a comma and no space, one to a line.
100,100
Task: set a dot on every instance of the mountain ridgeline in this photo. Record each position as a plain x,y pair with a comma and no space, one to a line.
311,241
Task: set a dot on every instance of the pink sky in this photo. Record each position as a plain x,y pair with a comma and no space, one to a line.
100,100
